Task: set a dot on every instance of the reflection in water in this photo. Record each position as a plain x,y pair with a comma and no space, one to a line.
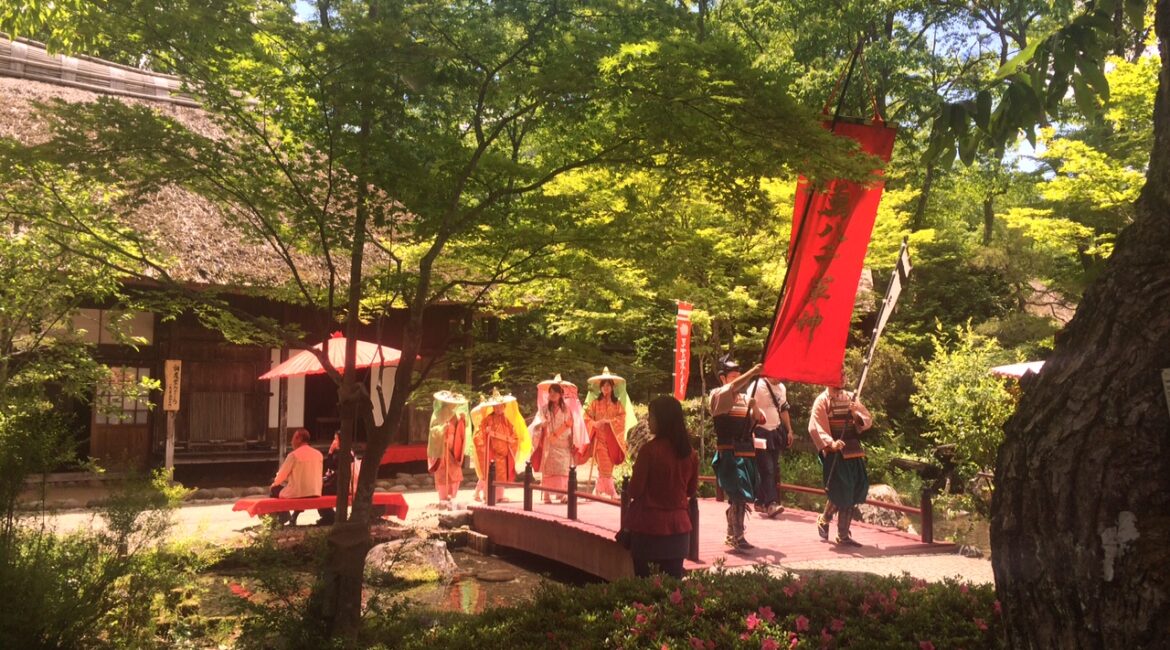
487,581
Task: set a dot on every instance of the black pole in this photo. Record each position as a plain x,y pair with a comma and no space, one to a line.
528,486
491,483
625,499
573,492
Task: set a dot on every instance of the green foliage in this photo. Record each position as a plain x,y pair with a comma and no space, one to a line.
720,610
114,586
961,400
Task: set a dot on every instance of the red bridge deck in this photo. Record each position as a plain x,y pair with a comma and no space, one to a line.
588,543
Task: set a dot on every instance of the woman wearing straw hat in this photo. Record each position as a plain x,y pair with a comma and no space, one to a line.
500,435
609,414
450,427
559,433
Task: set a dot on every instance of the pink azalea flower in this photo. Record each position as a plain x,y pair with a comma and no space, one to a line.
836,625
767,614
998,608
981,624
802,623
657,582
793,642
769,644
697,643
664,647
963,589
790,591
925,645
617,614
639,619
752,621
676,597
826,638
744,636
709,645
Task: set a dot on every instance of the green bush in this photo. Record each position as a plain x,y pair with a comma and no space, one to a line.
961,400
115,586
720,610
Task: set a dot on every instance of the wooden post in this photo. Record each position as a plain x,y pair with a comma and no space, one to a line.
170,454
528,486
625,499
573,492
693,511
927,516
491,483
282,408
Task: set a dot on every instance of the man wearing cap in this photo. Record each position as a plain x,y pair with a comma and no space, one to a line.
834,425
775,430
734,463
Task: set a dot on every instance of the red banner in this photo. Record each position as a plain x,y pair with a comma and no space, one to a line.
682,351
807,341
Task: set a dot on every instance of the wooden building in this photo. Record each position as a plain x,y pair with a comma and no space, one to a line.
227,414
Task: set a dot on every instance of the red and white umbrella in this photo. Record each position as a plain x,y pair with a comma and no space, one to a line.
306,363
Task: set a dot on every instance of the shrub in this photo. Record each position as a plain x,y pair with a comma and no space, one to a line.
721,610
960,399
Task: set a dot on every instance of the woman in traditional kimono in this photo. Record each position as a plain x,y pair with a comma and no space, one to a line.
609,414
559,434
500,435
450,428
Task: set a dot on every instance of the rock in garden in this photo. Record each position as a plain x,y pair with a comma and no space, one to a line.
455,519
256,491
970,551
496,575
397,488
202,494
881,516
410,560
223,493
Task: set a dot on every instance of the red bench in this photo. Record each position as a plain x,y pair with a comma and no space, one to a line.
394,503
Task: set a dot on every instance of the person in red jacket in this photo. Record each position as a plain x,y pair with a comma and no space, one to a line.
666,474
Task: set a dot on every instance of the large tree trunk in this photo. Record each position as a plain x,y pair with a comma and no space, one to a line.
1081,516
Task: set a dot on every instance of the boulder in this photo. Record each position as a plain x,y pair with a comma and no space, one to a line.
223,493
410,560
455,519
397,488
881,516
970,551
202,494
256,491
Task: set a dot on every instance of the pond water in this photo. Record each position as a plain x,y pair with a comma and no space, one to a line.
487,581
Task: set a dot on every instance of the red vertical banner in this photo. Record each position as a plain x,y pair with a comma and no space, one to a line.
682,350
826,253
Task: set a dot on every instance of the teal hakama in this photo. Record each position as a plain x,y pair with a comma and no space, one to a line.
736,475
849,485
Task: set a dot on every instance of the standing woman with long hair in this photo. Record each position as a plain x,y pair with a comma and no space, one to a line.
666,474
559,434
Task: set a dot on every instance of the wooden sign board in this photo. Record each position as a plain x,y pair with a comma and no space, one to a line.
172,377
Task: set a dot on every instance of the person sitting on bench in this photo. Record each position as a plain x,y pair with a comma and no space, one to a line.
302,472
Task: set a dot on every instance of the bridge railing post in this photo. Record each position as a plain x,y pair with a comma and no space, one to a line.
693,511
573,492
927,507
491,483
528,486
625,499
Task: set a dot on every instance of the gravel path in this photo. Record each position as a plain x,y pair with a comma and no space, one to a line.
933,568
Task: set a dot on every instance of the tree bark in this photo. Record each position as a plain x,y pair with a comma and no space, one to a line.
1081,514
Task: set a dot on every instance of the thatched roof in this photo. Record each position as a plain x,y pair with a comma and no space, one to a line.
202,246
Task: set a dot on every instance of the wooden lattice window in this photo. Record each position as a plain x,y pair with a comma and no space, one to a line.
121,400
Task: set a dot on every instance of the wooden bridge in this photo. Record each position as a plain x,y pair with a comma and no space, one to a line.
580,533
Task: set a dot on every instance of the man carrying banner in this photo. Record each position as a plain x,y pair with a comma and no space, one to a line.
734,463
834,425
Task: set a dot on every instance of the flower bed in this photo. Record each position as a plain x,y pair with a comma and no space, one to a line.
721,610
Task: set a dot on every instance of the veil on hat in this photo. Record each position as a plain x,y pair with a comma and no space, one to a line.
512,414
572,405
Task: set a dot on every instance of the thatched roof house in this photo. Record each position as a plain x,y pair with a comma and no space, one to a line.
226,413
